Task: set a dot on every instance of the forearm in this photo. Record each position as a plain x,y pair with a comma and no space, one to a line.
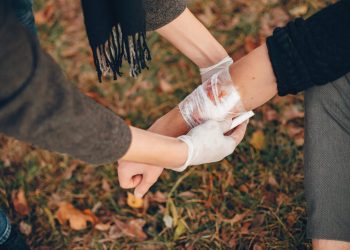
253,78
191,37
155,149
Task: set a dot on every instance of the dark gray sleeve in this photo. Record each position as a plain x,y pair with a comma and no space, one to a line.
39,106
162,12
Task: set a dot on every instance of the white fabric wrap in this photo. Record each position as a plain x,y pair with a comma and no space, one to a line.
215,99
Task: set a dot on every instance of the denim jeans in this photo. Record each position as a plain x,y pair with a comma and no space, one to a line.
5,227
24,13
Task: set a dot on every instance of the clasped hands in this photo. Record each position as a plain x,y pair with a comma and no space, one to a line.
208,112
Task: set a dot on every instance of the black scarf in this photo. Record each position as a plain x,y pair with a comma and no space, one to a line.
116,30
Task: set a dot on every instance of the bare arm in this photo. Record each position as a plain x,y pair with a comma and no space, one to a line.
253,78
191,37
151,148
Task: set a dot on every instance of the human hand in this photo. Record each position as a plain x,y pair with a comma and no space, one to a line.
209,142
138,176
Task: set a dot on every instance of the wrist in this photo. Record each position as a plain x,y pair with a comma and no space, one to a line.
187,144
171,124
193,39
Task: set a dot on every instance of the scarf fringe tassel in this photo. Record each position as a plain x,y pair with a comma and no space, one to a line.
108,57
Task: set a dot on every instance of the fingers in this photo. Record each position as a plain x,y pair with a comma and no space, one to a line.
138,176
239,132
225,125
129,175
146,183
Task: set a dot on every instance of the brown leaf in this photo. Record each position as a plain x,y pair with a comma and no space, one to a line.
250,43
258,140
95,96
132,228
20,202
44,15
157,197
103,227
299,10
134,202
165,86
106,186
291,113
291,219
257,247
77,219
69,171
270,115
71,51
272,180
282,199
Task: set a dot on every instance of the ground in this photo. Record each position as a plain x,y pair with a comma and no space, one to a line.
253,199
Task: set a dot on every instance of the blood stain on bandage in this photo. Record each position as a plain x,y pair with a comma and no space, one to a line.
210,93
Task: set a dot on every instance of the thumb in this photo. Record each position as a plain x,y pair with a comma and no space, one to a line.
239,132
225,125
142,188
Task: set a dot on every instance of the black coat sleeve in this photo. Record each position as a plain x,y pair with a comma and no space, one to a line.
311,52
39,106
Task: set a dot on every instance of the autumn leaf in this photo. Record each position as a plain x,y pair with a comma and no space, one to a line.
77,219
258,140
165,86
291,113
20,202
44,15
103,227
133,201
158,197
180,229
299,10
132,228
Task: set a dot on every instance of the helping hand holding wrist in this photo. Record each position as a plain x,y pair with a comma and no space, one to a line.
207,143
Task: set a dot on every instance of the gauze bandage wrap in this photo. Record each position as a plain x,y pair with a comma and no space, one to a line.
207,143
215,99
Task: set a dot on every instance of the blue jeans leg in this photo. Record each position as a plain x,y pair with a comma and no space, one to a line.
5,228
24,13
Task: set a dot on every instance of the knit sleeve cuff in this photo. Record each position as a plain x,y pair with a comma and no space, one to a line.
162,12
288,65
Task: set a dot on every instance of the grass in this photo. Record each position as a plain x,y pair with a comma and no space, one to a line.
253,199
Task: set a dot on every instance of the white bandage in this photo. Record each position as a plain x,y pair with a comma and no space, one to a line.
215,99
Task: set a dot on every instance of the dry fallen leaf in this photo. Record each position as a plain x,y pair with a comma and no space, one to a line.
291,113
77,219
299,10
102,227
134,202
258,140
272,181
158,197
44,15
20,202
180,229
166,86
132,228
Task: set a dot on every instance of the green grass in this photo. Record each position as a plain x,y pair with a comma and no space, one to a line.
210,196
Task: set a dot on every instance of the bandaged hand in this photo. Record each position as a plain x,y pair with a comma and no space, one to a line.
215,99
208,143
